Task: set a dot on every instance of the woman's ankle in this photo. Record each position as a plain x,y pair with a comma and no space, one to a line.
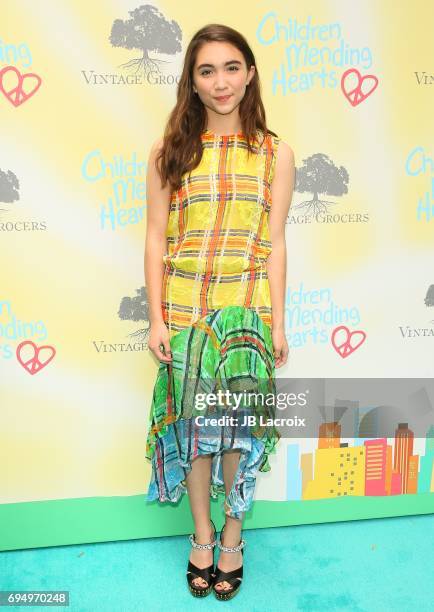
204,532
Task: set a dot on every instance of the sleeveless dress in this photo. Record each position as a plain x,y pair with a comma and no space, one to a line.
216,305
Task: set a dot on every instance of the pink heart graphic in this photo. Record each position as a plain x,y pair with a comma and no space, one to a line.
34,365
355,96
346,348
16,95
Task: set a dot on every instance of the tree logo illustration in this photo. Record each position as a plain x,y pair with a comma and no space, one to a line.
429,299
9,185
147,30
320,176
136,309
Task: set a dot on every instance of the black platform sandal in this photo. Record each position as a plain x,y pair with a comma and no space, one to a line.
234,577
206,573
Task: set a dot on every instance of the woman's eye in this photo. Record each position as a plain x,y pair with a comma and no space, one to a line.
231,69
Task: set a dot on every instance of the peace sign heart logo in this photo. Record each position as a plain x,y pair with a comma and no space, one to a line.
342,339
14,90
34,358
356,95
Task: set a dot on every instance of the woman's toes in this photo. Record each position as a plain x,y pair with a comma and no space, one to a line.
222,586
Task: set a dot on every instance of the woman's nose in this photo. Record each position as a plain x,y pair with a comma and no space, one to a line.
220,82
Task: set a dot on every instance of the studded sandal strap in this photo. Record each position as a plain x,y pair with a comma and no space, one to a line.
231,548
195,544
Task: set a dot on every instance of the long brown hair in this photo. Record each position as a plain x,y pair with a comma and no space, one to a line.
182,150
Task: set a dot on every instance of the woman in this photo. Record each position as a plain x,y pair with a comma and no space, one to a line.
219,189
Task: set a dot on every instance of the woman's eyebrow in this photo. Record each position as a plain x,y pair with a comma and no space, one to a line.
212,65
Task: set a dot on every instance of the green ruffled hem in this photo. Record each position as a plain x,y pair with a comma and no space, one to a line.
229,349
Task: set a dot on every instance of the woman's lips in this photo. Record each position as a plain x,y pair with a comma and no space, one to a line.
223,98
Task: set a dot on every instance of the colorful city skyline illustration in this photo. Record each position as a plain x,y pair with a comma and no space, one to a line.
372,467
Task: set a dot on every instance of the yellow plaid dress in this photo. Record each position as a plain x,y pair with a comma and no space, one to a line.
218,237
216,305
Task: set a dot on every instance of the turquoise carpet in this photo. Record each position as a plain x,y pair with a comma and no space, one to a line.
367,565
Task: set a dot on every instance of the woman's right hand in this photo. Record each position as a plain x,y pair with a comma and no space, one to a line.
159,335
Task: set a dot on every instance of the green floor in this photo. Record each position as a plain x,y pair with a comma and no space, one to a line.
365,565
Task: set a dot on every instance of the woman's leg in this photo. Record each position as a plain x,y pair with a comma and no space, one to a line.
198,483
232,532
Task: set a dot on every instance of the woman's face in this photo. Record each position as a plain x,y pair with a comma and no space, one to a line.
220,71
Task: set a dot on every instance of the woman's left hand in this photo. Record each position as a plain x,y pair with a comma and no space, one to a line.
280,347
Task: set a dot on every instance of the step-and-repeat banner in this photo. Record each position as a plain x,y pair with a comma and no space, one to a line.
85,89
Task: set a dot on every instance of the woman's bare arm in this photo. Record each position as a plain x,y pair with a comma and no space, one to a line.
281,195
157,215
